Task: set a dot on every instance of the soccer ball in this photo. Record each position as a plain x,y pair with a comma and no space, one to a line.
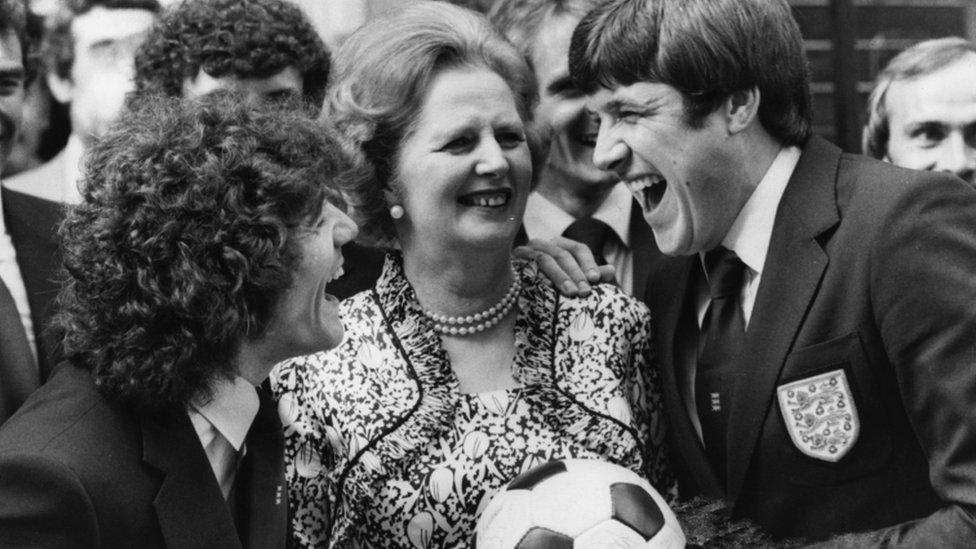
578,504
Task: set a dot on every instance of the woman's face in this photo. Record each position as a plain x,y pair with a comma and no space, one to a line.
464,172
305,318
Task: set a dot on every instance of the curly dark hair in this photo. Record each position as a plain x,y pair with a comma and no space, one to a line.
183,242
242,38
59,43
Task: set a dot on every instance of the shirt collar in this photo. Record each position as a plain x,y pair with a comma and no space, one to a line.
544,219
231,410
750,233
74,153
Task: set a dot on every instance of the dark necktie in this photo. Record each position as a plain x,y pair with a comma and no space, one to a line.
722,332
592,232
259,498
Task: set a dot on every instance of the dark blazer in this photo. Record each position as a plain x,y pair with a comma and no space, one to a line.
642,244
18,373
79,471
33,226
871,270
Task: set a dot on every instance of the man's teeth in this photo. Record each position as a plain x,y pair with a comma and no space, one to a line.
339,272
648,190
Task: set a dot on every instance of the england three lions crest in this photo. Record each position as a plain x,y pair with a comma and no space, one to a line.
820,415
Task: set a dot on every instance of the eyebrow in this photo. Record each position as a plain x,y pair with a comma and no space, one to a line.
561,84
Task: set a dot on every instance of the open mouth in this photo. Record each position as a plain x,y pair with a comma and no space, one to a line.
337,273
648,190
493,198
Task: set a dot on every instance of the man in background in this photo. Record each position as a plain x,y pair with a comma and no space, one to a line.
922,110
265,49
18,372
573,198
89,52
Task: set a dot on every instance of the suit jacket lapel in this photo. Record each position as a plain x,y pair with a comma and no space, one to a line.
795,263
671,297
190,506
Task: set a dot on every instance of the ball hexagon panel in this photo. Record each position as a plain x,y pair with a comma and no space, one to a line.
610,534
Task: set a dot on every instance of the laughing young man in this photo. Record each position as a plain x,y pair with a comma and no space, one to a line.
815,327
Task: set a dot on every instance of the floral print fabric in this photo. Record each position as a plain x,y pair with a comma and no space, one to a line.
383,450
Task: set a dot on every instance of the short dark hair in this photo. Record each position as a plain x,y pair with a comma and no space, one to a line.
521,20
16,18
919,60
382,73
184,241
59,42
705,49
241,38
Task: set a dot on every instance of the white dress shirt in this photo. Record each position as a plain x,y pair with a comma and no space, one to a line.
749,238
545,220
222,424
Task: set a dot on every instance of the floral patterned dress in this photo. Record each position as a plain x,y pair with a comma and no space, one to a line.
383,450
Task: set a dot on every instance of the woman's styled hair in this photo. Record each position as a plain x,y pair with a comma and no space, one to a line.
705,49
919,60
239,38
380,79
184,239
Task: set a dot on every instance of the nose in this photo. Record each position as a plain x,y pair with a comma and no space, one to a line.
958,156
345,229
491,159
609,153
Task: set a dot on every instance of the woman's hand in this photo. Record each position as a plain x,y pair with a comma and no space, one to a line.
568,264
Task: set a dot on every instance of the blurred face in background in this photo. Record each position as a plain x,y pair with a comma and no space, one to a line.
11,91
932,120
105,44
562,107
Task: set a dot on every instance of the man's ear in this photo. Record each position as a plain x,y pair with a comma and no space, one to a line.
741,108
62,89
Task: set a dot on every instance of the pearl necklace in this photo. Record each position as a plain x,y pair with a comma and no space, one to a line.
478,322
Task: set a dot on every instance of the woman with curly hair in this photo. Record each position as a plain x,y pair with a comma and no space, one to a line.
461,368
196,261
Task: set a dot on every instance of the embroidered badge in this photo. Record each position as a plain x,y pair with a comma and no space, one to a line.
820,415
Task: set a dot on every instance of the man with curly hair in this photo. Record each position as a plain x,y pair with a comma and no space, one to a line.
265,48
18,373
197,261
89,55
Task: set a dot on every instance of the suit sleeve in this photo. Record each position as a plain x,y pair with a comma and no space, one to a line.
923,280
43,504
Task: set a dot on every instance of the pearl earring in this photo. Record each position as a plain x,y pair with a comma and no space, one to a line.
396,211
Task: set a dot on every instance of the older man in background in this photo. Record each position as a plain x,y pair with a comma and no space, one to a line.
922,110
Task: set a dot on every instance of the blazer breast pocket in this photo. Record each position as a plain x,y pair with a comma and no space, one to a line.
830,424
